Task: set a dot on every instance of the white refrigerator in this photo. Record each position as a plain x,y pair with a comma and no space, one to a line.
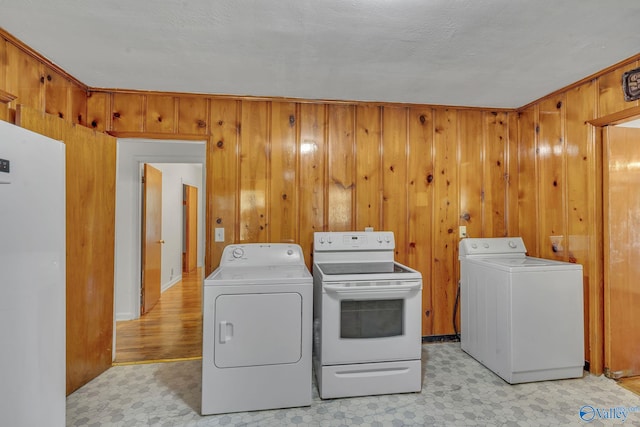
32,279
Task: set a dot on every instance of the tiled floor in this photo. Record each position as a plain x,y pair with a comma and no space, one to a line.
457,391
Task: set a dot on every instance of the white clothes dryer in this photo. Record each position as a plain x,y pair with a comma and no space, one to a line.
521,317
256,342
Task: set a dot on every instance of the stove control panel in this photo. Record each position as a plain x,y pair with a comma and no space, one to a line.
353,240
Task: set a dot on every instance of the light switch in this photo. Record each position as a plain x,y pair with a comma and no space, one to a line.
219,235
463,231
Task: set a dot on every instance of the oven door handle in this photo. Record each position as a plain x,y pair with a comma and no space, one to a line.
350,289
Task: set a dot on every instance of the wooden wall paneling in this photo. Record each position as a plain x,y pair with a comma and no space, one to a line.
57,94
222,179
552,182
90,239
580,107
312,184
513,225
192,115
368,166
161,114
127,112
395,212
420,177
254,171
24,78
610,96
283,203
340,168
471,176
91,166
494,182
528,218
78,97
99,111
446,219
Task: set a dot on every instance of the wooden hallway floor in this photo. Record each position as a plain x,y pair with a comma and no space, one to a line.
172,330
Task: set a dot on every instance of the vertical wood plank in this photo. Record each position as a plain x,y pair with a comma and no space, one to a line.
160,114
579,140
254,163
368,166
283,203
57,94
494,182
24,79
222,179
3,64
128,112
394,177
551,149
470,171
98,111
313,133
78,109
340,168
192,115
513,178
528,218
445,239
420,201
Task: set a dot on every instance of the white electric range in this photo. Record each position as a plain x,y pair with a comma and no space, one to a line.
367,308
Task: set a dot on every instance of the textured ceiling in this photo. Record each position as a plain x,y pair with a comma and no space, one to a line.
490,53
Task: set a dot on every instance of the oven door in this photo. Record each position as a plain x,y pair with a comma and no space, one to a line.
370,321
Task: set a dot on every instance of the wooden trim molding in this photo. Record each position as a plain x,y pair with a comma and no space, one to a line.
617,117
6,97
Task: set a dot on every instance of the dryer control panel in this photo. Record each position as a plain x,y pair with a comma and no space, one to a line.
258,254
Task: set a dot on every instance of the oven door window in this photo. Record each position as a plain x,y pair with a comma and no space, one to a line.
371,318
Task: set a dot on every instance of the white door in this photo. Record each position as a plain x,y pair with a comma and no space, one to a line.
257,329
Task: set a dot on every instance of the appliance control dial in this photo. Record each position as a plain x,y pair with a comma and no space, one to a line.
329,240
512,244
486,245
289,252
321,240
474,246
238,252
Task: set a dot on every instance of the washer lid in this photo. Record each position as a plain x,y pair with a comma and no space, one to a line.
526,264
266,274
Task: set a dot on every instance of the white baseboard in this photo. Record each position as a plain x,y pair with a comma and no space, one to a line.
166,286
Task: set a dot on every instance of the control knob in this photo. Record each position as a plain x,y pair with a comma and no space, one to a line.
512,244
238,252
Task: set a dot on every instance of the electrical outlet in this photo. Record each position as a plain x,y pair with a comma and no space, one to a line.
219,235
463,231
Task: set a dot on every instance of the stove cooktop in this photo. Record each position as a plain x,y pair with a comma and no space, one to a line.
332,269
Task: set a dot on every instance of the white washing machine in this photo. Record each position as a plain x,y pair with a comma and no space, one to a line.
521,317
256,334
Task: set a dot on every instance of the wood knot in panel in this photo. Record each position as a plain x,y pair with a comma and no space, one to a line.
422,118
219,144
201,123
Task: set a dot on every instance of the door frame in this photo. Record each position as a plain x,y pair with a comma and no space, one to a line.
596,289
131,154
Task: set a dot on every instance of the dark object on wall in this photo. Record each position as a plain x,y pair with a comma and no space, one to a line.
631,85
